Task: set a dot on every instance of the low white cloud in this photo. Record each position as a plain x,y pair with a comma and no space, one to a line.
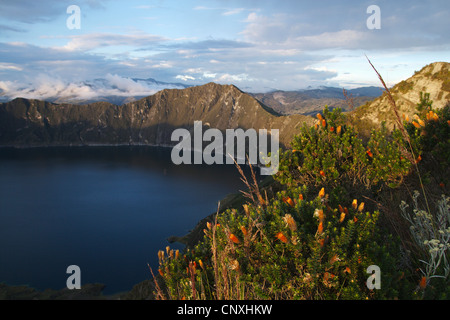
184,77
233,11
209,75
92,41
44,87
233,77
10,66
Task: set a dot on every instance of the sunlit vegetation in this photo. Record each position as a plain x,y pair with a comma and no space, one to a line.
338,205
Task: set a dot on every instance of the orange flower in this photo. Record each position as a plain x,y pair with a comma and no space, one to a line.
338,130
244,231
320,228
422,124
345,210
319,116
233,238
201,264
354,204
361,207
341,210
161,255
419,158
442,185
423,283
355,219
416,125
435,117
280,236
322,242
347,269
322,192
161,272
369,153
289,201
300,196
332,129
448,122
342,217
324,123
322,173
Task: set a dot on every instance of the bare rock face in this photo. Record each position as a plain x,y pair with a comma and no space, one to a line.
312,101
433,79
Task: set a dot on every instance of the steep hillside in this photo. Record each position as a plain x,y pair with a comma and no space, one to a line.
311,101
150,120
433,79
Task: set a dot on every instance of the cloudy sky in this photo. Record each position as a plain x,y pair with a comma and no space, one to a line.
257,45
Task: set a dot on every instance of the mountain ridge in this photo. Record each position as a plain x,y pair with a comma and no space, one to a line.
152,119
312,100
148,121
433,78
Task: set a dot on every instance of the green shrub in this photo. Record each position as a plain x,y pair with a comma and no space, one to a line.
430,133
294,247
332,154
302,243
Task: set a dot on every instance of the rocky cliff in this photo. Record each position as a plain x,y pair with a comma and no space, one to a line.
151,120
148,121
433,79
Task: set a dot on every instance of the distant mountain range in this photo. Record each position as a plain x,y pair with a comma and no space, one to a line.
310,101
113,89
152,119
118,90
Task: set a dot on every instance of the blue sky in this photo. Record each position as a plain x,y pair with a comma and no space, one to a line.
256,45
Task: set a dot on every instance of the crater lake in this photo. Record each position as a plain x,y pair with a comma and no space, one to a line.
107,210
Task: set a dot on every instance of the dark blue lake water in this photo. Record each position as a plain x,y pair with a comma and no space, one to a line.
106,209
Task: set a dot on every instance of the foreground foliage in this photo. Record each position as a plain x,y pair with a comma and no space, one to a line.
321,233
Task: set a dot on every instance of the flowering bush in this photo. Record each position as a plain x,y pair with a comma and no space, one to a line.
293,247
331,153
312,239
